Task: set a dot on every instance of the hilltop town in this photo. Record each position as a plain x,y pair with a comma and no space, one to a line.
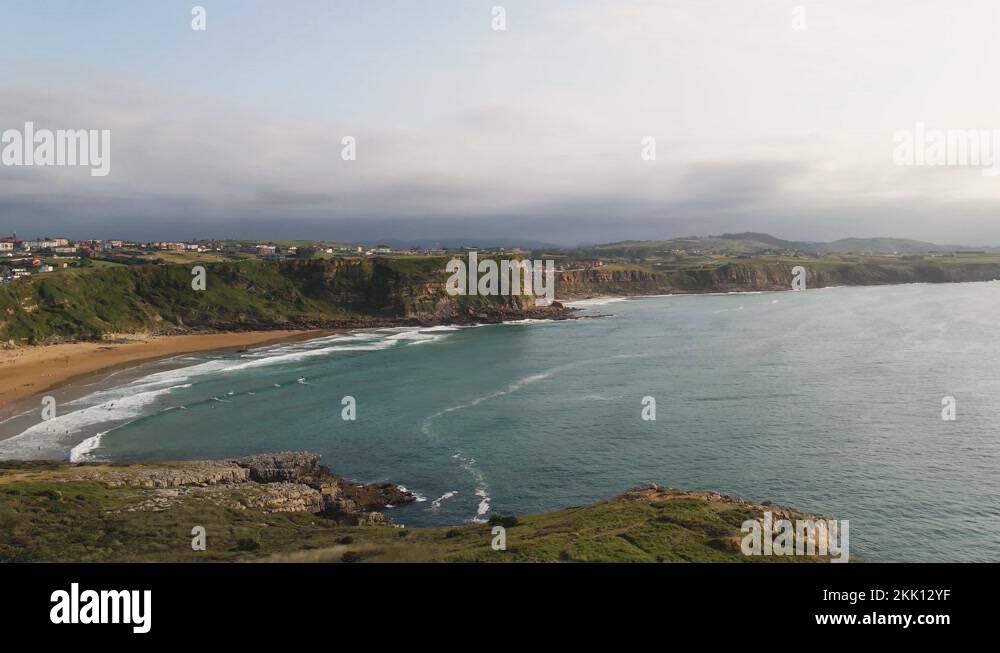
23,258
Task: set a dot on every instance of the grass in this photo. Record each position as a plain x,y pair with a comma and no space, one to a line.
44,516
85,304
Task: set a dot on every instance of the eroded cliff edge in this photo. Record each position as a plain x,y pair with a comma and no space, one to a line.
765,275
248,296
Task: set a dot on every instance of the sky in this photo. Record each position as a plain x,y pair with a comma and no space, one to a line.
767,116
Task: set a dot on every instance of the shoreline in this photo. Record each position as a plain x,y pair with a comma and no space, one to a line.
30,371
27,372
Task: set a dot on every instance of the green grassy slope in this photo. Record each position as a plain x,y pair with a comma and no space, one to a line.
86,304
47,513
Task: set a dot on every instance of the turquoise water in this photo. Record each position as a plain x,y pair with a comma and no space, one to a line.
826,400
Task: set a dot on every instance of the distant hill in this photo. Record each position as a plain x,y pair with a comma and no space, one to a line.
452,242
891,245
755,243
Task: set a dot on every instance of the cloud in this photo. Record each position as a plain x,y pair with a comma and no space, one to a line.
757,127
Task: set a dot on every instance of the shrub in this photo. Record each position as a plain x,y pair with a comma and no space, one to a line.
55,495
507,522
247,544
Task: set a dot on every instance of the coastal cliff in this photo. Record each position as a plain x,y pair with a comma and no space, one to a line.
315,294
289,507
767,275
364,293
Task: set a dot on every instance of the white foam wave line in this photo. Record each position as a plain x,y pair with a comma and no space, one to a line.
302,355
309,345
47,436
513,387
436,503
271,355
85,449
419,497
22,414
484,507
152,382
597,301
520,383
482,488
412,335
530,321
266,356
442,327
422,335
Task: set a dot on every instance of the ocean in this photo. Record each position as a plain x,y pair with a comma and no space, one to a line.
827,400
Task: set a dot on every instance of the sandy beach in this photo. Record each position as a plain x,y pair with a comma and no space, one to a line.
32,370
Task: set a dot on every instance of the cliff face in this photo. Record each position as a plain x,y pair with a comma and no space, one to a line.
753,276
245,296
764,275
600,281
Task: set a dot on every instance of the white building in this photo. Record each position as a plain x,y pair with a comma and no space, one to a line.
41,244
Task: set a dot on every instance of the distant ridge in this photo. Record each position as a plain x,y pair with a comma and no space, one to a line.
755,242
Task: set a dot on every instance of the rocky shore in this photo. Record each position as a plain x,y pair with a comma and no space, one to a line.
280,482
288,507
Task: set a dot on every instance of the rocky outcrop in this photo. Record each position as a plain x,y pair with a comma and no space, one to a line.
500,313
278,482
654,492
282,497
352,497
283,467
169,475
